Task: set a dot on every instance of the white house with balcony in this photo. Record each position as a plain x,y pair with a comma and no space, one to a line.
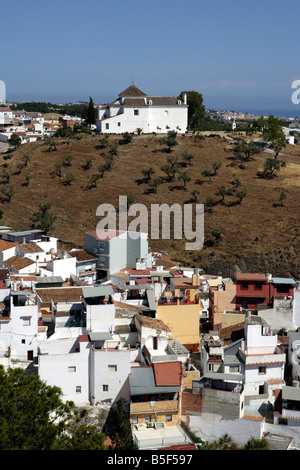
134,110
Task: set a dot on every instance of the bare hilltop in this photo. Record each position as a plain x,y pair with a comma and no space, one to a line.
249,225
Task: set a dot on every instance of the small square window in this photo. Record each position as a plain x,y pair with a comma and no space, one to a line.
105,388
262,370
135,420
119,124
168,418
78,388
72,369
112,368
136,112
106,126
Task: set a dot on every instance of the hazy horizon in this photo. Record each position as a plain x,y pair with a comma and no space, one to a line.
240,56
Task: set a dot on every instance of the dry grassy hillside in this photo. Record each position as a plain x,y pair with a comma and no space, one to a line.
258,235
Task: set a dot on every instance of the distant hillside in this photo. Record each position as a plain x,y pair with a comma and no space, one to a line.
258,235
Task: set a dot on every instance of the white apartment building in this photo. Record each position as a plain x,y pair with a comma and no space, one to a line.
133,110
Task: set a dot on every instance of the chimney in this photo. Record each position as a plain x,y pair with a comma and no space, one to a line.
195,278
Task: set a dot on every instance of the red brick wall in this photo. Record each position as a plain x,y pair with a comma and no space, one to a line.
190,402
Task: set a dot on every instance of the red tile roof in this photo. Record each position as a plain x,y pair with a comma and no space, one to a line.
18,262
167,373
5,245
251,277
149,322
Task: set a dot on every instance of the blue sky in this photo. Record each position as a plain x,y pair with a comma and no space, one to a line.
238,54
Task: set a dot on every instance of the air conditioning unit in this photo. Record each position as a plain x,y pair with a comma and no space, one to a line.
159,425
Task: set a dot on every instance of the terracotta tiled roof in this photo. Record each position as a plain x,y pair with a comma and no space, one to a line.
152,323
5,245
18,262
60,294
31,248
251,277
132,90
81,255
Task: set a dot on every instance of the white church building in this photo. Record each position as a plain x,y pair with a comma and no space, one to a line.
134,110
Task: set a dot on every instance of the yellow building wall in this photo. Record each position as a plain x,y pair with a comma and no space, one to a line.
230,319
183,321
157,413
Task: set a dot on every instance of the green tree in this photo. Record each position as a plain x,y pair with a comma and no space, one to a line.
33,417
216,166
187,158
88,164
195,194
209,203
26,159
272,166
217,235
241,194
154,184
69,177
170,140
15,141
67,160
27,180
80,437
51,142
256,444
8,192
148,172
6,176
171,168
93,180
102,169
28,412
223,191
44,218
273,133
245,150
207,174
90,113
109,160
185,178
58,167
225,442
113,149
127,138
120,433
282,197
196,108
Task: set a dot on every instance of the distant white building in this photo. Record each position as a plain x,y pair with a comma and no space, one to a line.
133,110
2,92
